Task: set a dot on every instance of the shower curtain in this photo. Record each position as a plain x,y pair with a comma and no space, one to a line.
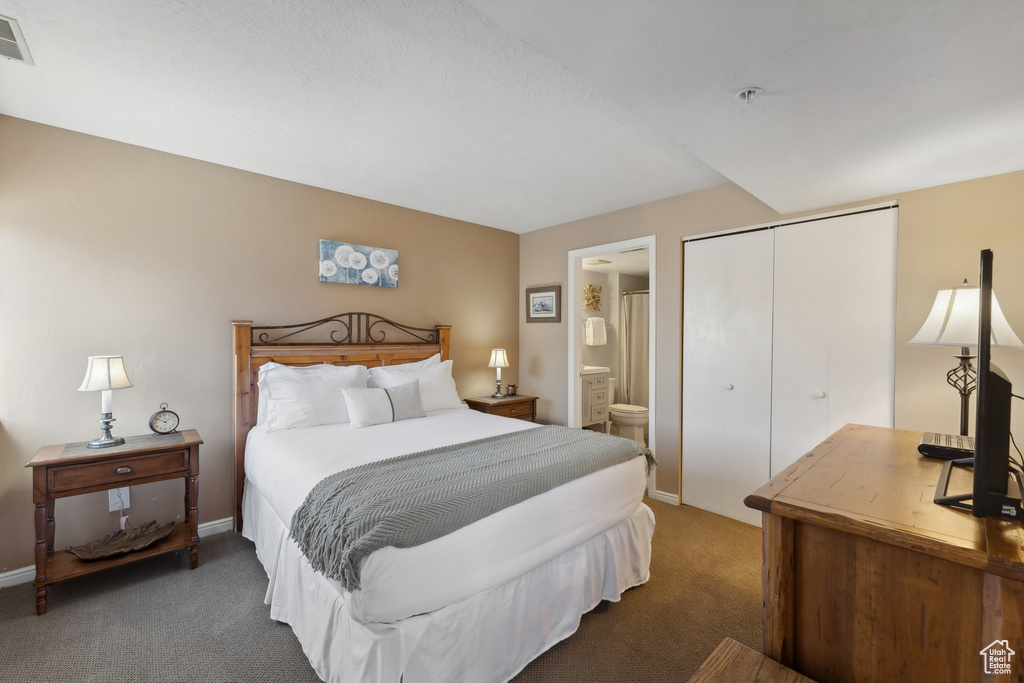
635,346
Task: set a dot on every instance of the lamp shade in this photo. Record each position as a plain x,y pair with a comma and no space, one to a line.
499,359
953,321
104,373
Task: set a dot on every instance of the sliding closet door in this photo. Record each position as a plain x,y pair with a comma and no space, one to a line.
801,333
834,335
727,359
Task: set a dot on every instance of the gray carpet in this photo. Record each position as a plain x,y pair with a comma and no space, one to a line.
705,585
155,620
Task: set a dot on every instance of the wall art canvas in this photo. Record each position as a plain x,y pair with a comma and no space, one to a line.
355,264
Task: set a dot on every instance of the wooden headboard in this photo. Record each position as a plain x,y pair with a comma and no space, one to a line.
344,339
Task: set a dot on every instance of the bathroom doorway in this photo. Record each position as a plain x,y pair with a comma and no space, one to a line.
617,283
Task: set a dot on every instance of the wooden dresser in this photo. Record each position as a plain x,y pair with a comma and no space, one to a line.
866,579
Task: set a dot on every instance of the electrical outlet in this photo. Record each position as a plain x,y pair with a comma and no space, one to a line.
116,504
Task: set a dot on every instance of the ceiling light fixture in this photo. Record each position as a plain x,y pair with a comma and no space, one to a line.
747,95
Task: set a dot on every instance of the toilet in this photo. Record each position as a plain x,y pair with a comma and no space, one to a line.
630,419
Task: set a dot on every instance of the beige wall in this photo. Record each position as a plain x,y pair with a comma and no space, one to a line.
941,231
109,248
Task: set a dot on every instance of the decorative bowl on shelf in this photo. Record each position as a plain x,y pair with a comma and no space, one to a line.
122,542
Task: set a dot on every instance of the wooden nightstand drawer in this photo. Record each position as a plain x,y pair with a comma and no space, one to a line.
516,407
115,471
523,411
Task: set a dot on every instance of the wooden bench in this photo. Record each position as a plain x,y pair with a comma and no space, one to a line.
732,662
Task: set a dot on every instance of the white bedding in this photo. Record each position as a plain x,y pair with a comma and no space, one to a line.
283,466
487,638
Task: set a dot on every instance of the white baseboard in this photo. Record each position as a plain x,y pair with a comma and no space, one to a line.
18,576
670,498
217,526
28,574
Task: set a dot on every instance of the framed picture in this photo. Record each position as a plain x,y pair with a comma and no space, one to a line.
544,304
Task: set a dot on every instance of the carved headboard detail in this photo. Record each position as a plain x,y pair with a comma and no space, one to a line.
344,328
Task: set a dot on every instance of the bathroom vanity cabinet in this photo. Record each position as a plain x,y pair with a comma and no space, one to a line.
595,402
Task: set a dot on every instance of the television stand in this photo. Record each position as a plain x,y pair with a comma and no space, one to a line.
942,496
1010,505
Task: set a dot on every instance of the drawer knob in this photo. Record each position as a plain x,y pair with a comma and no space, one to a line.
123,469
513,410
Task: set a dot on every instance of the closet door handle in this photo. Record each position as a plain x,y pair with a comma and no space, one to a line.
729,387
820,394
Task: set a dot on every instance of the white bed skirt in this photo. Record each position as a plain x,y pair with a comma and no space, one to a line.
490,636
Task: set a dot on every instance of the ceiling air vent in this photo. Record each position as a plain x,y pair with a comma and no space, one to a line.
12,42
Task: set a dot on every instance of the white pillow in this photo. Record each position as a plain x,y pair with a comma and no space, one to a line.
272,369
415,366
437,388
368,407
307,396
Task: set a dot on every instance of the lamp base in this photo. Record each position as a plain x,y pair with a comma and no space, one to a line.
497,390
964,378
105,443
105,440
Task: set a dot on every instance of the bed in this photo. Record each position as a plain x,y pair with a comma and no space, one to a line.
476,604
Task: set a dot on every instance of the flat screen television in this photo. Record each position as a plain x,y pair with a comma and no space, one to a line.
991,494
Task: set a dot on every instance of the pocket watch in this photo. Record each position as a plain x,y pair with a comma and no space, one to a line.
164,421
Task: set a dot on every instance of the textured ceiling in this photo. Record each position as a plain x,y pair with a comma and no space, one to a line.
521,115
629,262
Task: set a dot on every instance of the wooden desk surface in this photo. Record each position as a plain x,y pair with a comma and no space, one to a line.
872,482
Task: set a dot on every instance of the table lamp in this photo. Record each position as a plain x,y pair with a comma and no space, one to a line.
499,360
953,321
104,374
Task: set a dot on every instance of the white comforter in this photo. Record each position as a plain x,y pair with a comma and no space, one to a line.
397,583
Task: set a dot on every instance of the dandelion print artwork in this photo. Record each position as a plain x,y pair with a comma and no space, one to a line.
355,264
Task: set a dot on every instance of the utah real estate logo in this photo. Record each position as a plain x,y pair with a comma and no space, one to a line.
997,657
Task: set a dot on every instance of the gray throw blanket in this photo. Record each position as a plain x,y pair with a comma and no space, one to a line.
409,500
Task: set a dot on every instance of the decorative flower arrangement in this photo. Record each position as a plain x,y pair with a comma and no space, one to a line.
356,264
591,297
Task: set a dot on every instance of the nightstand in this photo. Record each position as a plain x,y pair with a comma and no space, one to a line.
72,469
519,407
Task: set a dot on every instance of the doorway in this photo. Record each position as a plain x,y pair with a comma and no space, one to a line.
619,267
